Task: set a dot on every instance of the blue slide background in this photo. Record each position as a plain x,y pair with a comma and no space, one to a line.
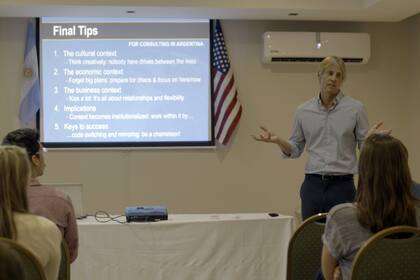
189,119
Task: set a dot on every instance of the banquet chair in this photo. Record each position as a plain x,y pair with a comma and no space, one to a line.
305,247
392,253
64,271
32,269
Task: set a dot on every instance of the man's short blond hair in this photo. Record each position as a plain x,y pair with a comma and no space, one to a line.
329,60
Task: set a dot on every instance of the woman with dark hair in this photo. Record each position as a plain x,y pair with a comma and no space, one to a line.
37,234
383,199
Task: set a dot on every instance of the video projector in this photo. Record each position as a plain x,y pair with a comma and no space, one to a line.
146,213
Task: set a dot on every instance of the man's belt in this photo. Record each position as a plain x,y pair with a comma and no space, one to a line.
326,177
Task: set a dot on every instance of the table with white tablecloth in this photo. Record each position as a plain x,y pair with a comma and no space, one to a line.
185,247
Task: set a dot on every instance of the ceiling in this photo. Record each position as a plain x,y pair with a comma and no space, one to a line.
331,10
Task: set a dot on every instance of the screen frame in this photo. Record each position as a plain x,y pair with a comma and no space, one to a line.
129,145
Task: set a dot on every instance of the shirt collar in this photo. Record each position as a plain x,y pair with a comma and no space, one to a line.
337,99
34,182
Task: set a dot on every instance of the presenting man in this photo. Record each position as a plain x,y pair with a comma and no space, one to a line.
46,201
331,125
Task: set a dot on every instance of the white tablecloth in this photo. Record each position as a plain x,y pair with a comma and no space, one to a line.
186,247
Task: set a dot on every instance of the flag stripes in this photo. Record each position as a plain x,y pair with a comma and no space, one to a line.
227,108
30,96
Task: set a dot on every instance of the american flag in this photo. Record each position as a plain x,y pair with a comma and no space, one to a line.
227,108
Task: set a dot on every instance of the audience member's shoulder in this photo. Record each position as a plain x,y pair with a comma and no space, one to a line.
343,210
31,221
416,190
417,209
48,191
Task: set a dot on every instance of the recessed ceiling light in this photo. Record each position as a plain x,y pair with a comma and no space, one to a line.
293,14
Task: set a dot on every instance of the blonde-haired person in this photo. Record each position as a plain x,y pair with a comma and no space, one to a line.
37,234
383,199
331,125
43,200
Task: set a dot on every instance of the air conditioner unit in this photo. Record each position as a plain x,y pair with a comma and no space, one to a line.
314,46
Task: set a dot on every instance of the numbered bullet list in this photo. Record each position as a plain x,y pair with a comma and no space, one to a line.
125,89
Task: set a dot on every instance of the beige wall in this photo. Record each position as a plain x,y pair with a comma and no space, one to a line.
247,176
413,95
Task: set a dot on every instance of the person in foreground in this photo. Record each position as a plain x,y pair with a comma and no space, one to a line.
46,201
331,125
38,234
383,199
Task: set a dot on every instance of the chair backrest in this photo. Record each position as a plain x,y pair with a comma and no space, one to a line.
32,269
393,253
64,272
305,248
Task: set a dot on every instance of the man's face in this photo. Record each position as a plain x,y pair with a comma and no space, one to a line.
39,161
331,79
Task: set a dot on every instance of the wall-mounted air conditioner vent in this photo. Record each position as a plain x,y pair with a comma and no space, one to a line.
307,47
